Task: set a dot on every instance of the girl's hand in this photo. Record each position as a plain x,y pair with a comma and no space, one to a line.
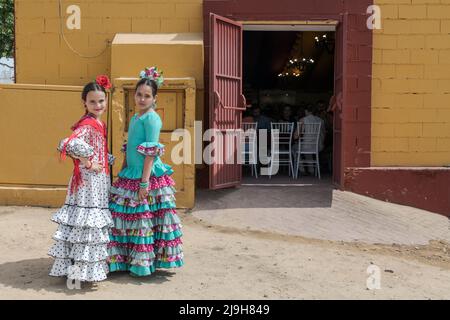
96,167
143,193
91,166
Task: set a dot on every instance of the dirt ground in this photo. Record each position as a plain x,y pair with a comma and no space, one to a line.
228,263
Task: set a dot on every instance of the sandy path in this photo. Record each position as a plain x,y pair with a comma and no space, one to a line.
224,263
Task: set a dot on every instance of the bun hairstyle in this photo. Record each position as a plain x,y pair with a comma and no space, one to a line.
91,86
101,83
148,82
151,77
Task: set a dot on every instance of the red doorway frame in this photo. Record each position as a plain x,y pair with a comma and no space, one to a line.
356,114
227,99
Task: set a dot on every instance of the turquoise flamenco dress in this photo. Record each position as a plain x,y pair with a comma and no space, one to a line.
146,234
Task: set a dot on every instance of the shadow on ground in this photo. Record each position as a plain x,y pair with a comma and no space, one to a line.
32,274
277,192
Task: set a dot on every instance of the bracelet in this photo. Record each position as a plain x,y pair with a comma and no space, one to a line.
143,185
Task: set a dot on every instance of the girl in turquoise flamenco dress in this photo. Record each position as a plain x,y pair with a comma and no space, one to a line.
147,230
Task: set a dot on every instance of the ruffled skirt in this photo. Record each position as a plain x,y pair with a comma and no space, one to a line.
146,234
82,237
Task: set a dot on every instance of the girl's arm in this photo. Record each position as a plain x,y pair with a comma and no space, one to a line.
148,164
83,134
150,149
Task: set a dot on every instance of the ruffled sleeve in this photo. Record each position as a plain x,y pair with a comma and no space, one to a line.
77,146
151,146
152,149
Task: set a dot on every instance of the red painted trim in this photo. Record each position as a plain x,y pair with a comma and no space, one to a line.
424,188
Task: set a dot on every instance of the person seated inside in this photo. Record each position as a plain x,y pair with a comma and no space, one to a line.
286,114
262,121
309,118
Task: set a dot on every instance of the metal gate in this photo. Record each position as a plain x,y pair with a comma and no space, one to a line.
226,101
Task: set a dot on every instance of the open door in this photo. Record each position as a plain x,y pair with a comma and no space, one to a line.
337,102
226,101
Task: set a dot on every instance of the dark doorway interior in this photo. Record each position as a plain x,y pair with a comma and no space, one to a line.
290,70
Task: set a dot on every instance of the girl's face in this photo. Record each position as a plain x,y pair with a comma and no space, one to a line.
95,103
144,98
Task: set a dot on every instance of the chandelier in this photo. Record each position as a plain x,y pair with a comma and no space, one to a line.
298,63
326,43
295,67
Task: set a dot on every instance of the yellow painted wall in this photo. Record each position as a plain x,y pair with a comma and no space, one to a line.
43,56
47,55
33,122
411,84
34,119
178,55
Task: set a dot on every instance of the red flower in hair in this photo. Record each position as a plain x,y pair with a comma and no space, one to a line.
103,81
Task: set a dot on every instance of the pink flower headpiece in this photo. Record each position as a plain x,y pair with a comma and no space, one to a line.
154,74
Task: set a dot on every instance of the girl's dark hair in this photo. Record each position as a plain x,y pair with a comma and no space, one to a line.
148,82
92,86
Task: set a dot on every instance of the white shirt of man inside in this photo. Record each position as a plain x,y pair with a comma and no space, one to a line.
310,118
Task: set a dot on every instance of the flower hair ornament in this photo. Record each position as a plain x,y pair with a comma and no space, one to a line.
103,81
153,74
